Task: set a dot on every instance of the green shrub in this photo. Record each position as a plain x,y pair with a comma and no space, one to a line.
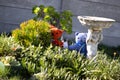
103,68
9,60
61,20
7,45
53,63
15,78
3,75
61,64
33,33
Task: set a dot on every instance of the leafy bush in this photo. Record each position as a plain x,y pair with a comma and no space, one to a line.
3,74
33,33
15,78
61,64
103,68
9,60
57,64
54,63
7,45
61,20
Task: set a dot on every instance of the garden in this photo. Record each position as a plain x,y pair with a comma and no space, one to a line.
31,52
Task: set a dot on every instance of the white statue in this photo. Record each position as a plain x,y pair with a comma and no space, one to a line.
93,39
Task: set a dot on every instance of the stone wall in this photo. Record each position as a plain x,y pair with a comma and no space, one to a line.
13,12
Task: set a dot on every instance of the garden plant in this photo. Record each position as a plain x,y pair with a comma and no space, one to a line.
33,32
61,20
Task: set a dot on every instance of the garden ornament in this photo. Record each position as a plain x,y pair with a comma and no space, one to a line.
80,43
94,35
56,35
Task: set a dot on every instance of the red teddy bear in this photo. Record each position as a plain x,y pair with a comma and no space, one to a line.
56,35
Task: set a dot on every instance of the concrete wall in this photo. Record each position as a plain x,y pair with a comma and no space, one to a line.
101,8
13,12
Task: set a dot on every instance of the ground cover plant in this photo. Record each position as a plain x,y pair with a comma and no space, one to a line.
7,45
60,64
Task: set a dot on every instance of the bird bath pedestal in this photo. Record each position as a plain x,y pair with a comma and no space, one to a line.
94,35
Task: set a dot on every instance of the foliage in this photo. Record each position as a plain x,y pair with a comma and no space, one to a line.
54,63
3,75
111,51
9,60
62,20
15,78
11,74
33,33
7,45
2,67
61,64
103,68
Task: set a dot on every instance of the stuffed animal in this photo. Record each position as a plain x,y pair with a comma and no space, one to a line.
79,47
80,37
57,43
80,43
56,35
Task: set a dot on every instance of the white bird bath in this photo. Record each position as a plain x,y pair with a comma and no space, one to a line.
94,36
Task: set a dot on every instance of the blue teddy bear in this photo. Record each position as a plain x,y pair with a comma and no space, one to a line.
80,43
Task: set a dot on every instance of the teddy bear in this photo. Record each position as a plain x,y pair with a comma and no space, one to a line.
80,40
56,35
80,43
80,37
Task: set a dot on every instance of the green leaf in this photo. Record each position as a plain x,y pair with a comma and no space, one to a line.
36,10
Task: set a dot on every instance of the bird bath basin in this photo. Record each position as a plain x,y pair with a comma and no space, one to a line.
94,35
